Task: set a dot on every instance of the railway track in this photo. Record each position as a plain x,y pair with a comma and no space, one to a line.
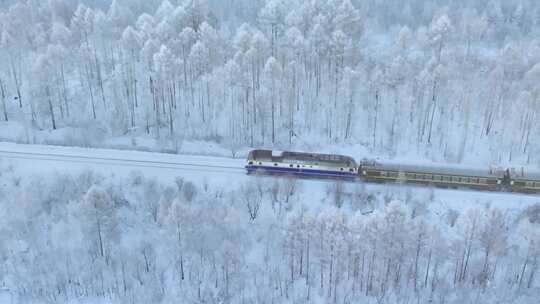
116,161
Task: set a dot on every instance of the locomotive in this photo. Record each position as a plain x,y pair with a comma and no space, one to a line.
315,165
301,164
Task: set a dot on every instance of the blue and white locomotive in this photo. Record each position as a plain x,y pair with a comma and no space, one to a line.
301,164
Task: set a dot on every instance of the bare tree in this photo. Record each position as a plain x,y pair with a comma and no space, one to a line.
252,194
336,191
3,97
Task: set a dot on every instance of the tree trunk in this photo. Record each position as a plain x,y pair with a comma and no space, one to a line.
427,268
376,110
64,90
51,111
16,79
89,80
434,107
3,96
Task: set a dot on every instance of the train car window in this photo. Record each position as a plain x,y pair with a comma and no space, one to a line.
447,178
528,184
483,181
275,164
409,175
537,185
455,179
437,177
260,163
291,165
394,174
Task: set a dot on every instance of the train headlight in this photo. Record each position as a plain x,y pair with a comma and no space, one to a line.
364,172
512,183
498,182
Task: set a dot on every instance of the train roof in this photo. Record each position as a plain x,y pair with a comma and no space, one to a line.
526,174
285,156
449,170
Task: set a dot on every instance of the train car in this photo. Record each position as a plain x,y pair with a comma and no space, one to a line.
437,176
301,164
527,182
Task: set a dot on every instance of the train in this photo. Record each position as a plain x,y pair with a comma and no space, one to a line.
335,166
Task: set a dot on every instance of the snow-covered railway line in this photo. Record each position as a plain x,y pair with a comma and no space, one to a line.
130,162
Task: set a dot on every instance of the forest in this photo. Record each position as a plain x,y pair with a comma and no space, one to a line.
89,238
453,81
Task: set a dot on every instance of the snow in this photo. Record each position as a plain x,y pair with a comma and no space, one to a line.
124,126
46,159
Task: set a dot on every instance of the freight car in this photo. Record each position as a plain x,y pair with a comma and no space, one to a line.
437,176
525,182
